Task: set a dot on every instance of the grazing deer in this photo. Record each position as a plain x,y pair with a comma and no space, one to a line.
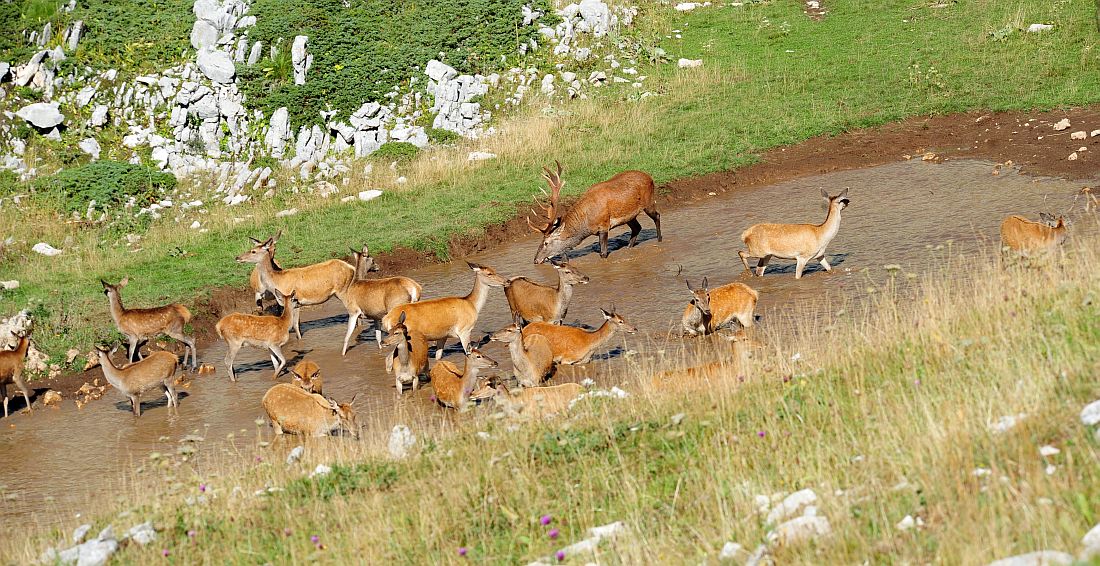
373,298
1028,237
447,317
538,402
314,284
11,369
139,325
254,277
610,204
534,302
711,309
453,387
158,370
800,242
532,358
262,331
573,345
308,376
409,358
295,411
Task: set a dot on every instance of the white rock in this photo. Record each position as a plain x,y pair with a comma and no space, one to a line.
791,505
142,534
1038,558
300,59
1061,125
369,194
547,84
439,71
401,441
44,115
610,530
9,285
295,455
801,529
731,551
1090,415
45,249
1049,450
216,65
1006,423
1094,133
1079,135
196,225
1091,543
907,523
85,96
1036,28
204,35
80,532
689,63
285,213
99,116
321,470
687,6
1072,157
480,156
90,146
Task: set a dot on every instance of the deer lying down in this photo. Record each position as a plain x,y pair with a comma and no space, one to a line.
453,386
572,345
800,242
604,206
158,370
1029,238
532,358
409,358
139,325
292,410
373,298
11,370
308,376
711,309
262,331
534,302
538,402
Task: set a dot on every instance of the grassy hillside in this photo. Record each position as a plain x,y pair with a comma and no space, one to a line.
892,413
771,76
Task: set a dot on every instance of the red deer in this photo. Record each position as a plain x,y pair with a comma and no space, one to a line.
295,411
262,331
11,369
308,376
452,386
409,358
534,302
576,345
254,277
538,402
612,203
156,371
532,358
373,298
800,242
1028,237
711,309
139,325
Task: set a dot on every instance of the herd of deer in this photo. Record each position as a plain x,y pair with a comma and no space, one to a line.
537,341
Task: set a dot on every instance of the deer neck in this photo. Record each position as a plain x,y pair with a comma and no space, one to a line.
469,379
602,334
116,308
565,293
289,315
266,269
519,353
697,316
110,371
829,228
22,346
403,352
479,294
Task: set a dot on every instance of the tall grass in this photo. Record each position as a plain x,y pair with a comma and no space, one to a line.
886,414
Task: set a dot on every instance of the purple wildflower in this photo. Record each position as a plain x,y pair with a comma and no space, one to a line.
202,488
560,555
553,533
545,520
164,553
314,539
462,551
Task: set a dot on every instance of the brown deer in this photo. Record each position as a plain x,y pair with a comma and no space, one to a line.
452,386
409,358
711,309
610,204
537,402
314,284
1029,238
11,369
295,411
447,317
262,331
532,357
534,302
800,242
307,375
254,276
139,325
573,345
373,298
158,370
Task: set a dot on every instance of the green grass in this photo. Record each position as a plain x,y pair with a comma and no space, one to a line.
867,63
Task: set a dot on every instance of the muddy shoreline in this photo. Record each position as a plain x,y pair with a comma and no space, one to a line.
1027,139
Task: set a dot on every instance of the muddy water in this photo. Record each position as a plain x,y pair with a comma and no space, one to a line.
53,460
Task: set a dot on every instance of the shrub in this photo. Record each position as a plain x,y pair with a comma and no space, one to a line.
441,136
108,183
400,151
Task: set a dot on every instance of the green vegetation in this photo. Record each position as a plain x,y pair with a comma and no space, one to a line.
401,151
110,184
365,50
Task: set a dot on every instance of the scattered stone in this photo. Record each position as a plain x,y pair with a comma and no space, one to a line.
295,455
142,534
792,505
45,249
690,63
1072,157
480,156
43,115
320,470
1039,558
369,194
1094,133
687,6
801,529
1090,415
5,71
909,522
731,551
1006,423
1091,542
196,225
1079,135
300,59
51,397
216,65
401,441
80,532
90,146
1036,28
1061,124
9,285
1049,451
99,116
285,213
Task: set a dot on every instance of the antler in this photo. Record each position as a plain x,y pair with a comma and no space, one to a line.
553,180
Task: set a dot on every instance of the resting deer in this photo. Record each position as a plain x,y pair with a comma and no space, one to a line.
139,325
158,370
308,376
254,277
534,302
1028,237
532,358
373,298
262,331
447,317
11,369
610,204
538,402
452,386
295,411
800,242
711,309
576,345
314,284
409,358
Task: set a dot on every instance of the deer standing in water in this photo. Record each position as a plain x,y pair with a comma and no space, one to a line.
447,317
254,276
610,204
452,386
534,302
263,331
409,358
158,370
139,325
711,309
572,345
374,298
307,375
1028,237
800,242
532,357
11,369
296,411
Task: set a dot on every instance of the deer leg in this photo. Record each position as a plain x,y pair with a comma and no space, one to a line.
190,343
603,244
825,263
297,324
635,229
800,264
652,213
278,352
4,392
762,264
135,403
131,349
17,378
416,382
464,338
278,429
230,355
439,345
352,319
745,260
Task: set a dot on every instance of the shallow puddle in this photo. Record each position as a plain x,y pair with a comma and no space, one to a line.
54,461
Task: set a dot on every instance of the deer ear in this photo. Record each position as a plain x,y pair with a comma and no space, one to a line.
105,284
689,285
125,281
255,241
825,194
606,314
844,193
352,402
401,319
474,266
705,286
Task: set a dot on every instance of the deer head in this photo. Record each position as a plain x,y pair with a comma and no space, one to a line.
552,243
618,321
363,262
487,274
569,274
840,199
700,297
508,334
